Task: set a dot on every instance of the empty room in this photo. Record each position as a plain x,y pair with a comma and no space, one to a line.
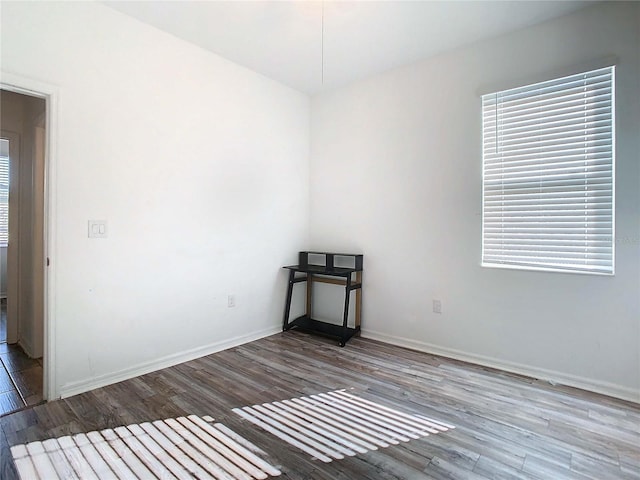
320,240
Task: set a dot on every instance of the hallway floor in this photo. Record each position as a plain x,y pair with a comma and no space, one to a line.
20,376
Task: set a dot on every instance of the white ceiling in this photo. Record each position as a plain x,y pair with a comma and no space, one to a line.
283,39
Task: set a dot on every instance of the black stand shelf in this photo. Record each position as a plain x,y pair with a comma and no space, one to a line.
320,267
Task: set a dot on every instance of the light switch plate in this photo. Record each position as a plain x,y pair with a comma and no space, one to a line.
97,229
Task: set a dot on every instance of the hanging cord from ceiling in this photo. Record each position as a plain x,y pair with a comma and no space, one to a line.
322,43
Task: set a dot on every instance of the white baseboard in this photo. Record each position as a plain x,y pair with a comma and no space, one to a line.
82,386
597,386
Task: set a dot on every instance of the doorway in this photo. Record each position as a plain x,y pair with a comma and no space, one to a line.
22,143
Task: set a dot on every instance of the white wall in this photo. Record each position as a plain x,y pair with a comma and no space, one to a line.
200,168
396,174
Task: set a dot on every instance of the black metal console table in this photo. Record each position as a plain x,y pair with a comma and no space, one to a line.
320,267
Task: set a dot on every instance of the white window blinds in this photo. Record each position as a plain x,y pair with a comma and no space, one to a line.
4,192
548,175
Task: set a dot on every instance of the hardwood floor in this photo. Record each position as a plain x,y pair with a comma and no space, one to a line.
20,379
20,376
506,426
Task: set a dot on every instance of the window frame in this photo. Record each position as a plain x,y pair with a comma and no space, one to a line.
571,269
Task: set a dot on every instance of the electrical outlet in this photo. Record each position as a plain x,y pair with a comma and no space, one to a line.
231,301
437,306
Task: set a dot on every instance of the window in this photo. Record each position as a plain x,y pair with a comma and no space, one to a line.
548,175
4,192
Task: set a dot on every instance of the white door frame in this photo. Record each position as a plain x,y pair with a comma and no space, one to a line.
50,94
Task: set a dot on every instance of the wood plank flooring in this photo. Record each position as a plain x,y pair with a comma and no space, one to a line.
20,379
507,426
20,376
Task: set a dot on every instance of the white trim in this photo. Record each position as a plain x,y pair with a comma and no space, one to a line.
81,386
51,94
529,268
597,386
613,167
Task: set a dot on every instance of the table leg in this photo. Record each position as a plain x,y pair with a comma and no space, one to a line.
347,295
287,305
309,310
